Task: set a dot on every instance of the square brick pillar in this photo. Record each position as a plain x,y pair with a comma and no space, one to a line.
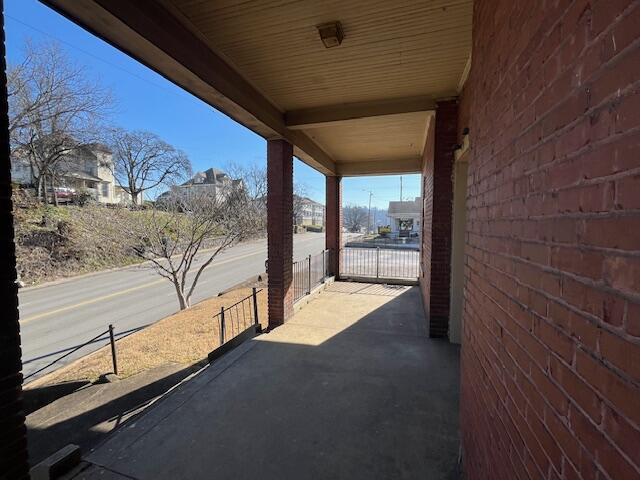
13,441
446,127
333,236
280,230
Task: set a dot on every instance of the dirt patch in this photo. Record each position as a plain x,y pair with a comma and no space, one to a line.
183,338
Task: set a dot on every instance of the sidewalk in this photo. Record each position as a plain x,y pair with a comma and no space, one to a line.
351,388
88,415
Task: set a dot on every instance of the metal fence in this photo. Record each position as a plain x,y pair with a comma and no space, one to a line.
309,273
104,335
239,317
383,263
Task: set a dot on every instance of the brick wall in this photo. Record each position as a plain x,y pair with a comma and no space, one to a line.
280,231
551,337
437,198
427,218
13,435
443,158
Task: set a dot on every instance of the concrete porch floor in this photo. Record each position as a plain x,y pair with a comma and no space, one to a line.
350,388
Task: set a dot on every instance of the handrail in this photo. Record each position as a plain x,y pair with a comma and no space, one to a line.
107,331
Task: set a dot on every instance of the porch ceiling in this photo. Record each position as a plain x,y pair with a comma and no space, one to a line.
358,108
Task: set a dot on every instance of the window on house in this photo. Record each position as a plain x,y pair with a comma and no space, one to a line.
105,189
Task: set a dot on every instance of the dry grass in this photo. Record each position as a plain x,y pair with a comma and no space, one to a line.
183,338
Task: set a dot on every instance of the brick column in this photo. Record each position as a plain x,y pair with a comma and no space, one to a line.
13,444
280,230
333,237
445,141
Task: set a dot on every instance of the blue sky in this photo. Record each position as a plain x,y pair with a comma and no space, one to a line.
146,101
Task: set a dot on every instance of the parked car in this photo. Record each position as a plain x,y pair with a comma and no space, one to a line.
64,194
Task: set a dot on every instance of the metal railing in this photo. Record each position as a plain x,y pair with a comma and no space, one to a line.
114,358
239,317
380,263
309,273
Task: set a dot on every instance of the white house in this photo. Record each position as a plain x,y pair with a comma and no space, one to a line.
212,181
309,212
88,169
405,216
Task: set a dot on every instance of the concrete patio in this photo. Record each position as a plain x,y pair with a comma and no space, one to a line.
351,387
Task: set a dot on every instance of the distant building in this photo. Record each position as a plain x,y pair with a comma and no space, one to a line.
88,169
405,217
308,212
212,181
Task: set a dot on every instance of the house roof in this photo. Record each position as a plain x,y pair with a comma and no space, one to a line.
209,177
413,207
309,201
83,176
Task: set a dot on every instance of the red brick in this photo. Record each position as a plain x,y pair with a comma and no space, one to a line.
559,430
280,230
622,353
552,394
628,192
553,108
621,232
622,395
333,236
625,436
437,258
583,330
576,389
555,339
606,454
621,273
633,319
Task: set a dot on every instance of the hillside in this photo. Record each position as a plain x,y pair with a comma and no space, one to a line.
53,242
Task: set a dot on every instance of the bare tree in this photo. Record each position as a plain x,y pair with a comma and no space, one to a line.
54,109
143,161
181,239
354,217
299,197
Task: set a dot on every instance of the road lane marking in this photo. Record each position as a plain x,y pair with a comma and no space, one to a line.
121,292
89,302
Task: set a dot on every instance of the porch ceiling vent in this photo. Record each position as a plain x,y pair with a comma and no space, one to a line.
330,34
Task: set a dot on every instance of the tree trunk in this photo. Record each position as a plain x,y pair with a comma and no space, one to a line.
39,188
134,198
53,190
45,190
184,303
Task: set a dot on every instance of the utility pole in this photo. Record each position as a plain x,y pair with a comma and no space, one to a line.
400,187
369,214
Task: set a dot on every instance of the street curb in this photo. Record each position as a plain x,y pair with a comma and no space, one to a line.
108,270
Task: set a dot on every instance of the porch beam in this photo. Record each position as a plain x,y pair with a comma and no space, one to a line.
380,167
334,114
158,36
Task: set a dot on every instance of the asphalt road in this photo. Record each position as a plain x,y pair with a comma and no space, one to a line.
57,317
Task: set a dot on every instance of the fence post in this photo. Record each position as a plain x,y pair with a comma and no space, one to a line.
377,262
255,305
221,325
309,290
324,268
114,358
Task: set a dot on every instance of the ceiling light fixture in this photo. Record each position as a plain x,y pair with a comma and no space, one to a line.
330,34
